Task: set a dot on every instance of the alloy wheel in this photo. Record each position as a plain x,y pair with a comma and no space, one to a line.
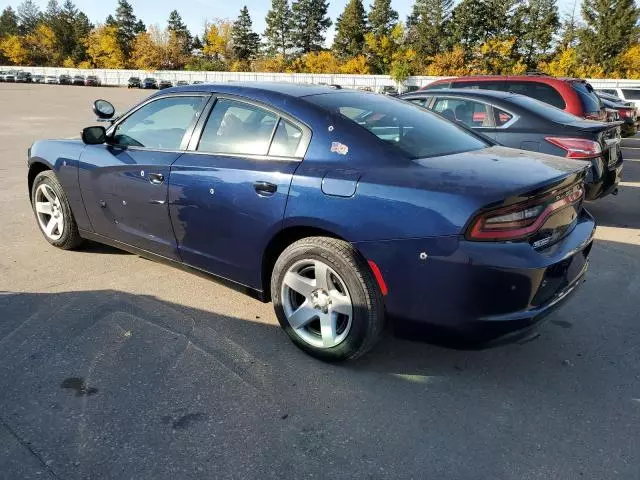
316,303
49,212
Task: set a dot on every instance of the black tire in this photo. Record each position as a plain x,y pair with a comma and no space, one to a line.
70,238
368,307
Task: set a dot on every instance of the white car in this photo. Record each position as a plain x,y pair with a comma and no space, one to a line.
628,94
51,80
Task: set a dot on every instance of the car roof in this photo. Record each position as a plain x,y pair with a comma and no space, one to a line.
243,88
524,78
467,92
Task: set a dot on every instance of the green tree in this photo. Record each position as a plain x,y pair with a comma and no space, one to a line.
427,25
535,23
382,18
351,28
245,41
569,30
196,44
29,15
310,21
474,22
8,22
128,26
611,26
178,27
279,26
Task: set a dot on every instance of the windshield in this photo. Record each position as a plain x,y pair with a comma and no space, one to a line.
631,93
545,110
415,131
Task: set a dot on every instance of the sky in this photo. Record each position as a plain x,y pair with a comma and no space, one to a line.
195,12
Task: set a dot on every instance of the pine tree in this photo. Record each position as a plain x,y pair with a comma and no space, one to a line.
8,22
351,28
128,26
382,18
245,41
279,26
310,21
474,22
177,26
427,24
611,27
196,44
569,30
29,16
535,22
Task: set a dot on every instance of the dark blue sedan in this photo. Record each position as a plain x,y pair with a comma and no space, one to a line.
342,207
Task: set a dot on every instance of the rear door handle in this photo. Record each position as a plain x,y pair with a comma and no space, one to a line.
156,178
265,188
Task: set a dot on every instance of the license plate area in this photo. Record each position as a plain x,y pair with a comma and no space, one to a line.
613,152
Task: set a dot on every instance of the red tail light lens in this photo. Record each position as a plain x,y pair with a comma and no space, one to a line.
627,113
577,147
521,220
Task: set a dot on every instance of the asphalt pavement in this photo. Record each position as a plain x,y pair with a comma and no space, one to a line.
112,366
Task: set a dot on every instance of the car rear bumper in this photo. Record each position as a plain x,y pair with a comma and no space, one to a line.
483,290
603,179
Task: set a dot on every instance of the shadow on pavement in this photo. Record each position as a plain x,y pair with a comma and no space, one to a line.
622,210
106,384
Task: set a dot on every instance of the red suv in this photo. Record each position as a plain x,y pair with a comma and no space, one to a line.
570,94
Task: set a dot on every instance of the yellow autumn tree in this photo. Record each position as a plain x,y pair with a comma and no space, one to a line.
317,62
43,46
628,63
217,40
275,63
383,49
14,50
103,48
566,63
453,62
144,55
356,65
496,57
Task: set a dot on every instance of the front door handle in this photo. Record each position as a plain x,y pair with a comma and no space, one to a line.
265,188
156,178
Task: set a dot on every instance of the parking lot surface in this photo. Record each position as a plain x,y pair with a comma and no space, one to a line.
112,366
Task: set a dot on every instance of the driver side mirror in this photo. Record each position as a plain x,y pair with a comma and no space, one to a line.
103,109
94,135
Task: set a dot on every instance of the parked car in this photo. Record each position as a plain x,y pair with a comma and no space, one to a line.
65,79
165,84
523,122
626,112
388,90
628,94
79,80
198,82
38,79
51,80
340,223
24,77
10,76
573,95
150,83
134,82
92,81
181,83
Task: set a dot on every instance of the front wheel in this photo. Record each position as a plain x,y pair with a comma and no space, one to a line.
326,299
53,212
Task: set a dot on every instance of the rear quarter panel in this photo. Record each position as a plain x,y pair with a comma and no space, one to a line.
62,156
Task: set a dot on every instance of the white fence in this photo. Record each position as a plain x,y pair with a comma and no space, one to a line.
120,77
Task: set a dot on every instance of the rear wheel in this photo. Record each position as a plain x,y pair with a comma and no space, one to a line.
53,212
326,299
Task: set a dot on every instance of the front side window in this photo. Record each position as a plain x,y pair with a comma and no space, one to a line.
238,128
412,130
159,125
470,113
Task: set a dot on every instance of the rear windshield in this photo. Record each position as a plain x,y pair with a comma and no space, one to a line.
631,93
545,110
588,98
413,130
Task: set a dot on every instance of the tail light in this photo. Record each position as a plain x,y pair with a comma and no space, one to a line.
626,112
577,147
521,220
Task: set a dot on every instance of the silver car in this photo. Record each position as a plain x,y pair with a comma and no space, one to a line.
51,80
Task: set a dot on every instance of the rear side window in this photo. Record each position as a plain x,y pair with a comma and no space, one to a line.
285,140
588,98
501,117
414,131
470,113
631,93
237,128
540,91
